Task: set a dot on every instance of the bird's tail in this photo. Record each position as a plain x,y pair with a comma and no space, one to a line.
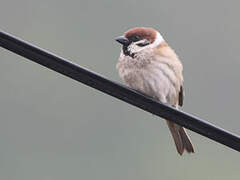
180,137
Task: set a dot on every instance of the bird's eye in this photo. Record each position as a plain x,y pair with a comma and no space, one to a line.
134,38
141,44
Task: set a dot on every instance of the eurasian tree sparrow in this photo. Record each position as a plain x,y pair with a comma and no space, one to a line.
149,65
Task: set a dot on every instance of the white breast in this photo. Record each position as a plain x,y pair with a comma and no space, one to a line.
154,78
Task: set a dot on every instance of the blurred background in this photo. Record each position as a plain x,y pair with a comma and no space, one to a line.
54,128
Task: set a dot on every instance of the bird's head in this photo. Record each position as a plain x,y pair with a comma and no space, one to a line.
139,39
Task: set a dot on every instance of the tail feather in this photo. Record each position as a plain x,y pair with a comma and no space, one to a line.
180,137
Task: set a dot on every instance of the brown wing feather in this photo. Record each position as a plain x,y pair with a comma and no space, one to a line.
181,96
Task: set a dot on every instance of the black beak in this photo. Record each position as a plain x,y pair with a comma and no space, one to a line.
122,40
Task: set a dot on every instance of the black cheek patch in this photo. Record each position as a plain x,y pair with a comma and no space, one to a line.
126,52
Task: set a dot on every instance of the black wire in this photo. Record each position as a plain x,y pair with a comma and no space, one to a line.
114,89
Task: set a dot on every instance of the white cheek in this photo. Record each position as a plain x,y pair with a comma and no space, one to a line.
133,48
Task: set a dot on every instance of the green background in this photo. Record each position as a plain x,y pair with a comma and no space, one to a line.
54,128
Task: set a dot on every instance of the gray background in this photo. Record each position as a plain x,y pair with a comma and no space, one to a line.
53,128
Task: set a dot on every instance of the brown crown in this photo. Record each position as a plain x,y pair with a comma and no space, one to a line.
143,32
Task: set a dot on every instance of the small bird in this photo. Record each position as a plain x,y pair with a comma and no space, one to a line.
149,65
